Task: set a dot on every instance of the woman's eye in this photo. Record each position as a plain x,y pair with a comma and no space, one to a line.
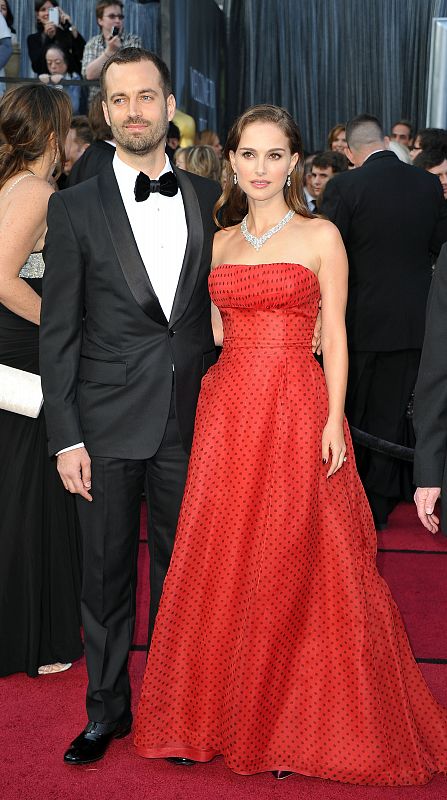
275,156
247,154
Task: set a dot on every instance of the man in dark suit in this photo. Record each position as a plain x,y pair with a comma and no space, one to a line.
125,340
430,406
392,218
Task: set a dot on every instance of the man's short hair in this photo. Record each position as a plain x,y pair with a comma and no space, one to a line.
427,159
81,125
102,5
432,139
330,158
362,131
133,55
407,124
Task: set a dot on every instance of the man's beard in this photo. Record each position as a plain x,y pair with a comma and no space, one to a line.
145,142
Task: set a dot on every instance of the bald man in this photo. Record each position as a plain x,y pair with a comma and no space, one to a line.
392,218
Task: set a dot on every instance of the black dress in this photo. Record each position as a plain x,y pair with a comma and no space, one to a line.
40,555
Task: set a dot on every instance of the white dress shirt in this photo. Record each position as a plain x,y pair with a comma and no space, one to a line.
160,231
159,227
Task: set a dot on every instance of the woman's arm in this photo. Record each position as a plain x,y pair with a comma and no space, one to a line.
22,227
216,322
333,278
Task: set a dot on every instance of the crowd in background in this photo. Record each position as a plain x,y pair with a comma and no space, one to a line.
59,53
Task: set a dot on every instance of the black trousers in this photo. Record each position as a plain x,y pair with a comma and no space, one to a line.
110,527
379,389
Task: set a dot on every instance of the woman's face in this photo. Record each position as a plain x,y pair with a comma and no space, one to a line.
262,160
339,143
56,63
42,14
3,8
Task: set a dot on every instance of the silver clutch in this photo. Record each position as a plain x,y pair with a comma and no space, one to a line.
20,391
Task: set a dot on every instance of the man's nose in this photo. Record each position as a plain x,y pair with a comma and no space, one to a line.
133,107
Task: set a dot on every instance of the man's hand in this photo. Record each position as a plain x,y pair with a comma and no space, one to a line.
113,45
316,338
75,471
425,499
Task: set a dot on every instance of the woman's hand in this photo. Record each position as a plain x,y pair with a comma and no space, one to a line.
50,29
333,443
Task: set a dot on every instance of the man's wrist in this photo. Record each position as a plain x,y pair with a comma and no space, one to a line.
72,447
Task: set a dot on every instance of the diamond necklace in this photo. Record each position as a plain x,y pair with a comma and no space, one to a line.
258,241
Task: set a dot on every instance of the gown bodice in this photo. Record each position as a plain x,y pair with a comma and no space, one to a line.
266,305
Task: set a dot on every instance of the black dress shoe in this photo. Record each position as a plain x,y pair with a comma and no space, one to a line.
93,742
281,774
182,762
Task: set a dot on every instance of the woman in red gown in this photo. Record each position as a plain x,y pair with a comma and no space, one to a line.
277,643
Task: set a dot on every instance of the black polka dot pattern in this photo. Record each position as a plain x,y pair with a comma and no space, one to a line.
277,643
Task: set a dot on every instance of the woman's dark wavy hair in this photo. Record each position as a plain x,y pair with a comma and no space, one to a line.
38,5
29,115
232,205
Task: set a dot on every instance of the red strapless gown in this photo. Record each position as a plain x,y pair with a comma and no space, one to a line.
277,643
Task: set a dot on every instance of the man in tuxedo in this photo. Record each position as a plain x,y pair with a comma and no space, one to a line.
430,406
125,340
392,218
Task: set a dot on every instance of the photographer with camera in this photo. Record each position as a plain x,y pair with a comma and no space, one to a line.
54,27
110,18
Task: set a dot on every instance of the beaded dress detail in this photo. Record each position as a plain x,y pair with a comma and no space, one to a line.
278,644
34,266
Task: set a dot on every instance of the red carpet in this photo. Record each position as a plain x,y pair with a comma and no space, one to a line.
40,716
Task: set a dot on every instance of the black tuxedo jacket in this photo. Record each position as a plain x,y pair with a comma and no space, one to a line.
430,402
92,161
392,217
107,351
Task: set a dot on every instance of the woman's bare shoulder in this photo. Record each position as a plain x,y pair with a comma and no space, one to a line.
26,190
321,227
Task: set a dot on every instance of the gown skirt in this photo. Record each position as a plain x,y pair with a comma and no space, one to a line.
40,563
278,644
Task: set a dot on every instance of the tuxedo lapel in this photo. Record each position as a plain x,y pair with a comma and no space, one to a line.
194,246
126,247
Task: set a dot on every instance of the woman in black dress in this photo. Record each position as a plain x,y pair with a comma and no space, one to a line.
39,542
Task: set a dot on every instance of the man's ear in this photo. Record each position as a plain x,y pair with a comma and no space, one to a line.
171,106
349,155
386,141
106,112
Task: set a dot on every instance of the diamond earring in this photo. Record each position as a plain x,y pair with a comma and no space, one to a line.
234,178
288,181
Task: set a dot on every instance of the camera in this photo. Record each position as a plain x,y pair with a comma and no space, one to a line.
66,25
115,31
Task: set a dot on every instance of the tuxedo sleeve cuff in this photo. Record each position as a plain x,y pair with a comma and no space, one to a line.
72,447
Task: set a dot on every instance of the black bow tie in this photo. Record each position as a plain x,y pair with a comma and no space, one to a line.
166,184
